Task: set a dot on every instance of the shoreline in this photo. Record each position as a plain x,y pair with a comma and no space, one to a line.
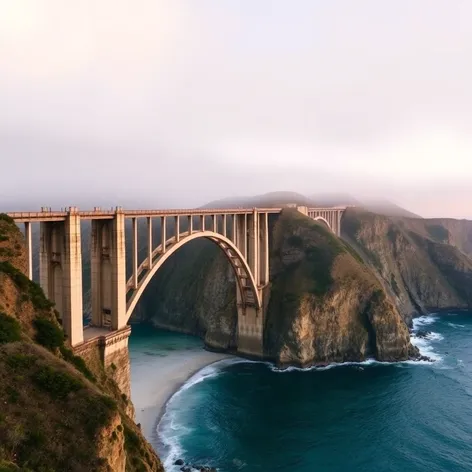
166,380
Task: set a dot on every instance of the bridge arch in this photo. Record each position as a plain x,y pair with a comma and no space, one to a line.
245,282
324,220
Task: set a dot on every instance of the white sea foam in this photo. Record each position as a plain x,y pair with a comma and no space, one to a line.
424,343
456,325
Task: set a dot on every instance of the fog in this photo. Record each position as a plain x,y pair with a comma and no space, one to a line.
158,103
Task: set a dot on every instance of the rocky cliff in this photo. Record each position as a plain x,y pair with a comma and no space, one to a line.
325,303
57,412
424,264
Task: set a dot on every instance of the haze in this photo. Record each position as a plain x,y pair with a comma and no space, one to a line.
157,103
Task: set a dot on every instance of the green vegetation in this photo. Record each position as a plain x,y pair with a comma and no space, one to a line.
4,217
48,333
27,286
78,362
58,384
10,329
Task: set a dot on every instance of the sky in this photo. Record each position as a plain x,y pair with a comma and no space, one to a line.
167,103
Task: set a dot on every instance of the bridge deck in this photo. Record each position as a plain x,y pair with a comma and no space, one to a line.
46,215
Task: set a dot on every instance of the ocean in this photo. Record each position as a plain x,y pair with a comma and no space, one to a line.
239,415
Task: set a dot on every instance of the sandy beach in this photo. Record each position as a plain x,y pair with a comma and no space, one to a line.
156,379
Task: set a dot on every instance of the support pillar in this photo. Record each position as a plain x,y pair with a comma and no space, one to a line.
61,271
264,248
118,271
177,228
224,225
214,221
234,230
72,279
135,252
190,225
29,249
253,256
241,234
163,234
202,222
149,228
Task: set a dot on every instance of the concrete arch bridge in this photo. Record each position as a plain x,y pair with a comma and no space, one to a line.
241,233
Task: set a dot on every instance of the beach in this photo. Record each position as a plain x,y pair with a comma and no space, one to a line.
159,367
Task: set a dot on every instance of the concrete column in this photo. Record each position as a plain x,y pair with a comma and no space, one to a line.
214,222
253,256
29,250
149,228
264,248
234,230
224,225
96,250
118,271
177,228
163,234
241,236
72,280
202,222
44,258
338,231
190,225
135,252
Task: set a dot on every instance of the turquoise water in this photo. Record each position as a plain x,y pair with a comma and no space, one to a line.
414,417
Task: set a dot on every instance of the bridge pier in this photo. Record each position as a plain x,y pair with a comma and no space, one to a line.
60,267
108,272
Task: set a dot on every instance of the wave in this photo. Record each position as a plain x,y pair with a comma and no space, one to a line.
423,343
455,325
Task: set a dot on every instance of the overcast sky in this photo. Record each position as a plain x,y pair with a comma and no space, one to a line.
177,102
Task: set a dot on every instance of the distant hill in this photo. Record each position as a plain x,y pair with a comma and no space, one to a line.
275,199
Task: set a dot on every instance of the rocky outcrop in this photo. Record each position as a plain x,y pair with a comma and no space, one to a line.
325,304
58,412
423,264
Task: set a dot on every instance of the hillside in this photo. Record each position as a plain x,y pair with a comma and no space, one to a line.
58,414
423,263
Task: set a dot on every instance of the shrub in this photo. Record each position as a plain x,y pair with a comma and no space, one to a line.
10,329
34,291
48,334
58,384
20,361
77,362
131,439
6,218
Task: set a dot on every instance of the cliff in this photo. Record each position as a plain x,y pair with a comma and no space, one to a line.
424,264
56,414
325,304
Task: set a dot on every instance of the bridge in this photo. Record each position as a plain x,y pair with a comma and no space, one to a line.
242,234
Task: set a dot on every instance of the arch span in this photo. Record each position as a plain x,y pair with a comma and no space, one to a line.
320,218
245,280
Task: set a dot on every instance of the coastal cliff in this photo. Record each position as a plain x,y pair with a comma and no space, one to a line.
58,413
424,264
325,304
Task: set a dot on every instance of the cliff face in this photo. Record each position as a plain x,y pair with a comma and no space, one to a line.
56,414
423,264
325,304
